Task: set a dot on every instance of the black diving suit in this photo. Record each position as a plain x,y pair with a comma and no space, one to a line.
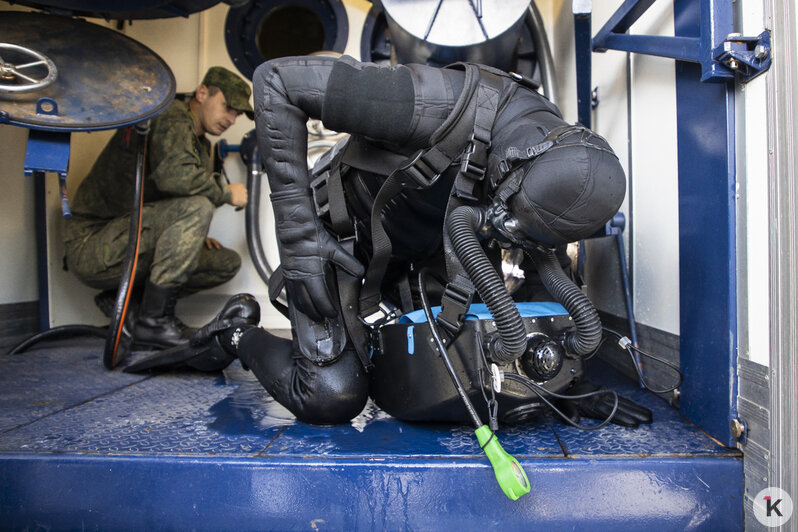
439,161
400,110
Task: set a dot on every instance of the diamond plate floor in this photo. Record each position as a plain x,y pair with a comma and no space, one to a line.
82,447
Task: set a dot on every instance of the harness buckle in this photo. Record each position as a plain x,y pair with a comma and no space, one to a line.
454,305
468,165
385,312
419,171
321,197
534,151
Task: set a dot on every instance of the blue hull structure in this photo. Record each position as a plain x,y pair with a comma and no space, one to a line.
86,448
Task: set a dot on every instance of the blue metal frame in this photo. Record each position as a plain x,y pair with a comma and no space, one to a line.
331,493
709,46
584,70
706,50
46,152
707,253
190,450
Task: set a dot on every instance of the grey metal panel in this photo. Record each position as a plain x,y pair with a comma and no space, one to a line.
782,89
756,418
756,453
754,383
768,395
753,408
18,319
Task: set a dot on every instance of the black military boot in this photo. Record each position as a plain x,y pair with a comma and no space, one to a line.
157,326
106,301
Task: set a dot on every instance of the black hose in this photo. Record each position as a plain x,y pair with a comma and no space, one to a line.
111,351
588,332
462,226
252,216
64,331
436,335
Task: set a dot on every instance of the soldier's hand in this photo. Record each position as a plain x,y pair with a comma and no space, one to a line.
238,194
212,243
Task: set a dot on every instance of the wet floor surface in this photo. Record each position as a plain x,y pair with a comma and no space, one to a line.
61,400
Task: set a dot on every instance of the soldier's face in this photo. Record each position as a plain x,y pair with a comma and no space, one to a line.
216,115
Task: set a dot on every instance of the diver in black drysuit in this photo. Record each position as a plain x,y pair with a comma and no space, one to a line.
561,195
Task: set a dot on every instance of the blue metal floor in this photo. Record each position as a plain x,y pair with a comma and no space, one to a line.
85,448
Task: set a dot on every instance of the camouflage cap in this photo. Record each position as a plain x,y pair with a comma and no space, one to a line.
235,90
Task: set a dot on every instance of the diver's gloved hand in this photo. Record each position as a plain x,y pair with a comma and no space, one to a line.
306,251
629,413
211,348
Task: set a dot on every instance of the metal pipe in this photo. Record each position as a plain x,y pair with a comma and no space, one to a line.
543,52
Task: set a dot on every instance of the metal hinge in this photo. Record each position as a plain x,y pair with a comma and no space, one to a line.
747,57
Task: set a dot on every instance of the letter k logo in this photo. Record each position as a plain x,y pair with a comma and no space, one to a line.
773,506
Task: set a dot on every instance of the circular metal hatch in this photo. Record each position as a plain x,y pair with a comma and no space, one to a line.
268,29
105,80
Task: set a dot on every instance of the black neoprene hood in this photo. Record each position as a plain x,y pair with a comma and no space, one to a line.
568,193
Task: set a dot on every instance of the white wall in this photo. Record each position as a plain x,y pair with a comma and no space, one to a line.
752,193
655,189
17,240
641,119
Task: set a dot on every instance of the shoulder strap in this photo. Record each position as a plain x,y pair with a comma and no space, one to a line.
459,290
466,132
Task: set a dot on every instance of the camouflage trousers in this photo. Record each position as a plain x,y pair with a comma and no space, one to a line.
172,250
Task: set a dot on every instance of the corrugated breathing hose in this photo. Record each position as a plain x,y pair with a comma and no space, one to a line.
462,226
588,332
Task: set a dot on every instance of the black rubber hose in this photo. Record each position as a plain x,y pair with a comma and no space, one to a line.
64,331
462,226
588,332
111,353
252,216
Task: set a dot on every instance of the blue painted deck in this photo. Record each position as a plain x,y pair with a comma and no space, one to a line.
85,448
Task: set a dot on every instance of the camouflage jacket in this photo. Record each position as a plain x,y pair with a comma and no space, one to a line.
178,163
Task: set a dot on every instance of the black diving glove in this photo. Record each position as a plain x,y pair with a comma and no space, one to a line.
629,413
306,251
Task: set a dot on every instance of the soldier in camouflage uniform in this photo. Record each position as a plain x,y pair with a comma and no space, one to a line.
176,257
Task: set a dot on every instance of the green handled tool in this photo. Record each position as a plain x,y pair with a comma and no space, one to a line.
509,474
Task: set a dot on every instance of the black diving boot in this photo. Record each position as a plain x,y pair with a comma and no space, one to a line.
156,325
214,346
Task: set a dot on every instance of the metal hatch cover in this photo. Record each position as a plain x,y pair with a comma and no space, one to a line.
124,9
456,23
105,79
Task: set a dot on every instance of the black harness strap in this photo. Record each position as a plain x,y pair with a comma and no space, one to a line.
459,291
348,292
276,285
419,172
405,293
328,191
339,213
